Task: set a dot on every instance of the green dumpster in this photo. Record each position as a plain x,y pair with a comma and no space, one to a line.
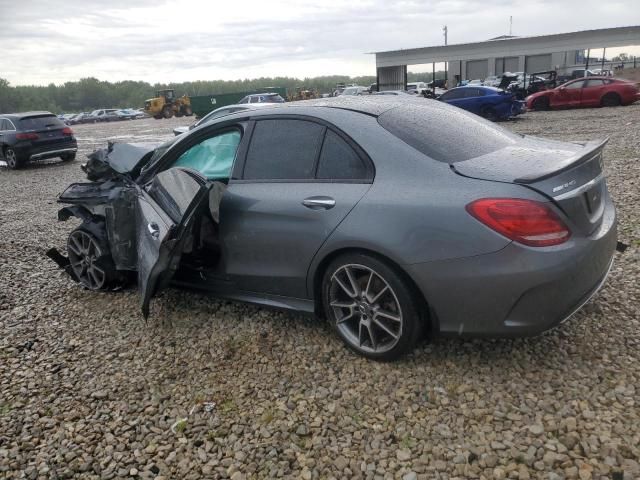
203,104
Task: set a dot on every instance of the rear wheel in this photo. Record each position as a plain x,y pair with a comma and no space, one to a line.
489,113
90,257
371,307
541,103
611,100
12,159
187,111
167,112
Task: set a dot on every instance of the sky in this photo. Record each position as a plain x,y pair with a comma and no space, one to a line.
156,41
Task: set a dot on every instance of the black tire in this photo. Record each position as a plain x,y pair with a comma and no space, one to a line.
611,99
158,117
541,104
187,111
489,113
68,157
13,160
167,112
365,314
96,257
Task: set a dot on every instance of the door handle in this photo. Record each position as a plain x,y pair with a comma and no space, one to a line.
154,229
320,202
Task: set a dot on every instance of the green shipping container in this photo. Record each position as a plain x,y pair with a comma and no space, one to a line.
203,104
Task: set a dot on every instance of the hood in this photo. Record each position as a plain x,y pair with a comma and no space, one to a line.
118,159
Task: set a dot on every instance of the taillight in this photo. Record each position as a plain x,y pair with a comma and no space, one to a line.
67,131
525,221
27,136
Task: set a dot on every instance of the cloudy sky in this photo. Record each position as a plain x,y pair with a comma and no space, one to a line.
153,40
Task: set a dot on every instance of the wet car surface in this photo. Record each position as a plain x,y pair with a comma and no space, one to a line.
340,241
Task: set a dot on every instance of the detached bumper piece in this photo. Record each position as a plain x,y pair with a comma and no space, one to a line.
62,262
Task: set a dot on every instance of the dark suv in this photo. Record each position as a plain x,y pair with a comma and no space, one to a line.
31,136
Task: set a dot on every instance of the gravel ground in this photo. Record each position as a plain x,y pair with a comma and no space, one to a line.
211,389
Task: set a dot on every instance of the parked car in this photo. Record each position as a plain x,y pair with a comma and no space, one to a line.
488,102
84,117
354,90
263,98
492,81
475,83
417,88
31,136
128,114
368,213
586,92
219,112
392,92
105,115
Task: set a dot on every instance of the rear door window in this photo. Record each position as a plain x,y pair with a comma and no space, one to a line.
212,157
339,161
594,83
283,149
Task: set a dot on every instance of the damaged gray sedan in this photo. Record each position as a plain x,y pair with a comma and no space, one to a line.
388,217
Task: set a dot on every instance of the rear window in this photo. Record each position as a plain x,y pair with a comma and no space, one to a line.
445,133
37,123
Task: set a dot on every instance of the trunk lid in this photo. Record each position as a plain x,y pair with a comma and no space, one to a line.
571,174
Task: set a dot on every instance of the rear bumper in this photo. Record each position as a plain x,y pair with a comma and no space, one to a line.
34,153
519,290
53,153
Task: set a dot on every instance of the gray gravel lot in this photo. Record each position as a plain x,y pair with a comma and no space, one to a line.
88,390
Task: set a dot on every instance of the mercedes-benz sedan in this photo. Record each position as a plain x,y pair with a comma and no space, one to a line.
386,216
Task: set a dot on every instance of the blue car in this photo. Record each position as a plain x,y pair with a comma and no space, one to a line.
488,102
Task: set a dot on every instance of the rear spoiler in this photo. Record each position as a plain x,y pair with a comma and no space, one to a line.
592,149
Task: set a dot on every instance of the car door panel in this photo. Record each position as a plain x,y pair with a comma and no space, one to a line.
592,93
165,211
567,97
269,237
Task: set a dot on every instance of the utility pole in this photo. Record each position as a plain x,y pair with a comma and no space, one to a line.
445,30
510,25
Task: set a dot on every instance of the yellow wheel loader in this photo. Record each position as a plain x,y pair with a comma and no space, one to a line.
165,105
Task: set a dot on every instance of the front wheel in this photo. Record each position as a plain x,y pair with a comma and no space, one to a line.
90,257
541,104
167,112
371,306
12,159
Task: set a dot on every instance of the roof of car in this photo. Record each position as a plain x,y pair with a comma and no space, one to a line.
374,105
25,114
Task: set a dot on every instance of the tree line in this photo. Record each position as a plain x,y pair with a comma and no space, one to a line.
90,93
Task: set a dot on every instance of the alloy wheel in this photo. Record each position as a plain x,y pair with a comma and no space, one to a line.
84,254
10,157
366,309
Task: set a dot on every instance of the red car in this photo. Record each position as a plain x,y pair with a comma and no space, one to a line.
586,92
